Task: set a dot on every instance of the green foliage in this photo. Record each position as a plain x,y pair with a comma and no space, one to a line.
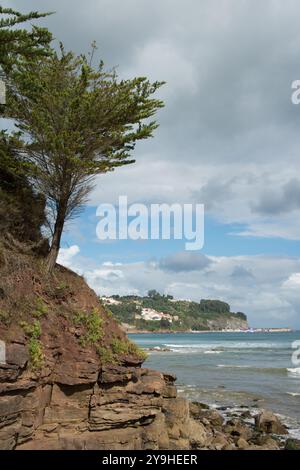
109,313
136,351
78,122
214,306
107,310
22,210
120,347
241,315
92,323
125,312
153,294
191,315
4,317
106,355
62,286
32,329
19,44
36,353
41,308
34,346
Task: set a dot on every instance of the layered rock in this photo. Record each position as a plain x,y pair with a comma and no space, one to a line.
82,407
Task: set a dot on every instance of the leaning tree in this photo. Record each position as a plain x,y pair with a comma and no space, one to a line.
77,121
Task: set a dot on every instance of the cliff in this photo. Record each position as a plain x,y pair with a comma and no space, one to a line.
71,379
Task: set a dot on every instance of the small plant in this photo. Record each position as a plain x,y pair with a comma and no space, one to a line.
41,308
31,329
4,317
62,285
106,355
119,346
93,325
36,353
109,313
136,351
34,346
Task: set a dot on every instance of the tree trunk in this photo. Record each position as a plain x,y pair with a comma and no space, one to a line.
55,244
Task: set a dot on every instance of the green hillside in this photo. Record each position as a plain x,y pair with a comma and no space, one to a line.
183,314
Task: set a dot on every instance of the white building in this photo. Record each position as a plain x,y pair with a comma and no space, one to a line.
153,315
110,301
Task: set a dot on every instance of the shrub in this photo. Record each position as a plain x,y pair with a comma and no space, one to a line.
4,317
34,346
120,347
93,326
35,353
136,351
106,355
33,330
62,285
41,308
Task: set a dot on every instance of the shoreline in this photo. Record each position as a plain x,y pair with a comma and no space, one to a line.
161,332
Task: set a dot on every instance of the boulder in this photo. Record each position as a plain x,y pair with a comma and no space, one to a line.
292,444
242,444
268,422
197,435
219,442
205,415
238,429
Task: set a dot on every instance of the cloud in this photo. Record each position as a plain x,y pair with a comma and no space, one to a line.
66,255
229,132
184,261
241,274
228,137
264,287
280,200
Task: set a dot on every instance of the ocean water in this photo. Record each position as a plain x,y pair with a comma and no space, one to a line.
232,370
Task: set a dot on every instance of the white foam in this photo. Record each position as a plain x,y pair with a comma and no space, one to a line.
293,394
211,351
233,366
229,345
294,372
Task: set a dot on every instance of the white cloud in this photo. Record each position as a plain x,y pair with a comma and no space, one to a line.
66,255
268,295
293,282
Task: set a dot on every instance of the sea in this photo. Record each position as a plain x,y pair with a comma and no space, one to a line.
232,371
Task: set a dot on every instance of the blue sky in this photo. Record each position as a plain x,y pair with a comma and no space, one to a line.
220,240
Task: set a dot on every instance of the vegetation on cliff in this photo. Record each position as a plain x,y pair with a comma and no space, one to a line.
74,120
179,315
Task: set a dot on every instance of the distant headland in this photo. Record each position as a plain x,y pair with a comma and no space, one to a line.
162,313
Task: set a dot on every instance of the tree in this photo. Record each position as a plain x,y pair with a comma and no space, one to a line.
153,294
16,43
21,208
22,211
78,122
164,323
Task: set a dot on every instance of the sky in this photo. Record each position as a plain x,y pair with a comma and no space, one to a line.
228,138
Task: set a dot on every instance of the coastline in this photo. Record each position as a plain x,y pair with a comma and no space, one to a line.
166,331
231,373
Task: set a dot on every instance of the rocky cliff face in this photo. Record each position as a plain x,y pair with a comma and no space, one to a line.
81,405
228,324
71,378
